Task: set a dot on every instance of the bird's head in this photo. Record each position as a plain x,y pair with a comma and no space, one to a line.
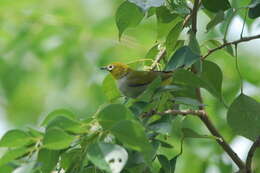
117,69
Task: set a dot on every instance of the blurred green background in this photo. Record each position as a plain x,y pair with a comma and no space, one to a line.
51,51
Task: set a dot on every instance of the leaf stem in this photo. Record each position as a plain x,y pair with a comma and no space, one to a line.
238,71
250,154
230,19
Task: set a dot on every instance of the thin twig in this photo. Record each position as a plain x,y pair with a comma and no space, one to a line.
250,155
241,34
158,58
229,19
244,39
238,71
186,21
205,119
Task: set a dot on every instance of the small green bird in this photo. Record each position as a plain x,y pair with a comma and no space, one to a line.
132,83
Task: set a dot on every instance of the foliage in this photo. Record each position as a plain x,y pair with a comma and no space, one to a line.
134,135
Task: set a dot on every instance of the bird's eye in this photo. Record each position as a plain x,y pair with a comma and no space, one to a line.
110,67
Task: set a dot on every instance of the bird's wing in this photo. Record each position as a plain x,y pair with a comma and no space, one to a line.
142,78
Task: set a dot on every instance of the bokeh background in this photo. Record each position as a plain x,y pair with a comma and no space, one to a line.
51,51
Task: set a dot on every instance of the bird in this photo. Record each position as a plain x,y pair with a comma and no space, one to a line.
133,83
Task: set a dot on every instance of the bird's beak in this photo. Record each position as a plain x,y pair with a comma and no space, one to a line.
103,68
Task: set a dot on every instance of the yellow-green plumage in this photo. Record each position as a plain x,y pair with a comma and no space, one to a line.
131,82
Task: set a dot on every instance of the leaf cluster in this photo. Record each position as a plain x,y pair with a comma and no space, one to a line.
135,135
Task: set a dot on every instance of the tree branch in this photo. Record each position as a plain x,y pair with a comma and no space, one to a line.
250,155
244,39
205,119
194,16
201,113
158,58
196,6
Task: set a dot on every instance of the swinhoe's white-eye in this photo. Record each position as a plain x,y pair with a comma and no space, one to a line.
131,82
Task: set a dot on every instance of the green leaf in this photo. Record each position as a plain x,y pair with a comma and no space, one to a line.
254,9
187,101
168,166
194,44
15,138
128,15
70,158
91,169
189,133
138,168
7,168
172,38
56,139
11,155
188,78
110,88
56,113
151,54
243,117
163,29
164,144
132,134
112,114
182,57
151,12
212,43
147,4
47,160
163,125
180,7
164,15
66,124
103,155
138,107
229,50
210,79
179,44
35,133
216,5
212,76
218,18
195,47
186,91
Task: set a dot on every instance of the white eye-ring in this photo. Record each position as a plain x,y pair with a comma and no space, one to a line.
110,67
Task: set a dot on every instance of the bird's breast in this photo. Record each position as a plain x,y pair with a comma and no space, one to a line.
122,85
132,91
